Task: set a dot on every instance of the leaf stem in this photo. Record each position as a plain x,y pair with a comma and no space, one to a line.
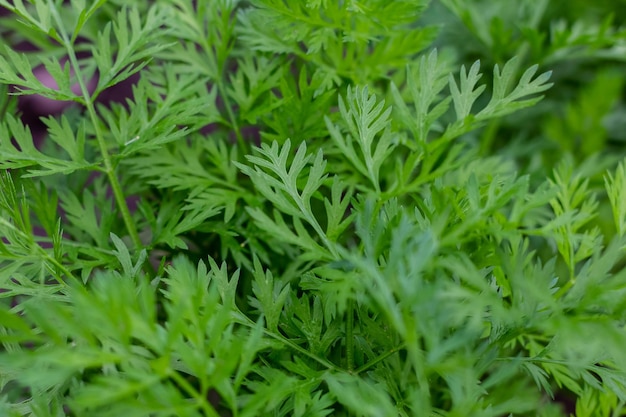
378,359
244,320
189,389
350,336
229,111
88,100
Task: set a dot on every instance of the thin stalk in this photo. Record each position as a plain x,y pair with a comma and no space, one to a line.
565,288
120,198
415,356
88,101
5,93
61,268
189,389
229,112
350,336
219,82
244,320
378,359
316,226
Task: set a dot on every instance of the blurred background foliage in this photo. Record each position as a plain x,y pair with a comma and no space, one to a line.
583,116
584,45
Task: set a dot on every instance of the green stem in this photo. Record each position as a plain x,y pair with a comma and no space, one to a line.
415,356
88,101
350,336
229,111
565,288
488,137
245,321
5,93
186,386
378,359
61,268
120,198
219,82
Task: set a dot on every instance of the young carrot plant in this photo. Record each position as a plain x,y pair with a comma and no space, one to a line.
311,208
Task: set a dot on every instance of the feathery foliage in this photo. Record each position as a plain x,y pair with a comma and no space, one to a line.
312,208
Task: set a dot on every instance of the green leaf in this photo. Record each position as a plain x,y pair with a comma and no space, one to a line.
338,218
249,87
24,154
424,85
85,15
134,38
88,216
165,108
41,22
281,187
18,326
270,296
615,186
465,96
17,70
360,396
63,135
123,255
366,120
504,102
